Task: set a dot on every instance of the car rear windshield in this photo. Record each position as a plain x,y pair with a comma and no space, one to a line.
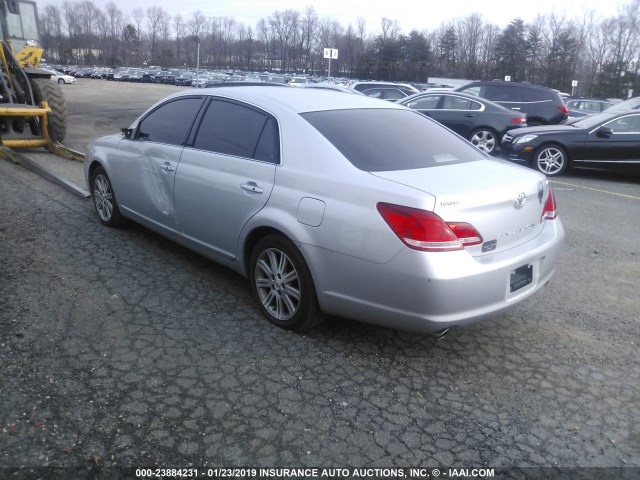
378,140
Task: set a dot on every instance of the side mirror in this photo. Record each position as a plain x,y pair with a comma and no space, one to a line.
605,132
127,132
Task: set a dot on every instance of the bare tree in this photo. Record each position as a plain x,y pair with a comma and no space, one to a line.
264,33
156,18
309,28
180,28
114,21
284,24
52,31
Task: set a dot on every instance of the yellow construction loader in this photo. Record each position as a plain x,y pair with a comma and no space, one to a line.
33,111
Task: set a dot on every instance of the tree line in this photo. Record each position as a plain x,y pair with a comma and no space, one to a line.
602,55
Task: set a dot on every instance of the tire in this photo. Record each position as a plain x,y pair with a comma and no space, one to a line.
282,285
104,199
551,159
60,81
484,139
50,92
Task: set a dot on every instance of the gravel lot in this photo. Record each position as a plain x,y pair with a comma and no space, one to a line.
120,348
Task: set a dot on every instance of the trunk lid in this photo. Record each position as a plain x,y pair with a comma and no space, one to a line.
503,201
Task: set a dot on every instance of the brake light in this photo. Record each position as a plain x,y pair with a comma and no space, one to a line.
549,212
465,233
426,231
563,108
519,120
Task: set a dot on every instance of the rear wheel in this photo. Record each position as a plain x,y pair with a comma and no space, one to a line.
484,139
50,92
282,284
551,159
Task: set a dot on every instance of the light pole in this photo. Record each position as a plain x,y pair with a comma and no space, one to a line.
198,57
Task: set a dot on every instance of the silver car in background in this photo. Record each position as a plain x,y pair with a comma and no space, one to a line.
333,203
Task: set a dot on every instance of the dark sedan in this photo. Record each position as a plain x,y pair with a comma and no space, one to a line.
610,139
480,121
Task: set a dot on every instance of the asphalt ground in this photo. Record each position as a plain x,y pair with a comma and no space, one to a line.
119,348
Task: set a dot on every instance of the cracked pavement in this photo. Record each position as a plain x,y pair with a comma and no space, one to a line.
121,348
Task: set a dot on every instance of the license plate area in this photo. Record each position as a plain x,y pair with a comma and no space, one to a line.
520,277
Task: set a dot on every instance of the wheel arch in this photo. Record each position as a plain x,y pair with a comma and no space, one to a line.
252,239
92,168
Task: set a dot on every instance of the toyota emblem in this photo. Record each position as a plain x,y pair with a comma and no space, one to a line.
520,200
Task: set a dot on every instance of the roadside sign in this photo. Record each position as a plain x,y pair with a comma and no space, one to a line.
331,53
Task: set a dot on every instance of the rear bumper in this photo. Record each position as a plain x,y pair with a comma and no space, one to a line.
431,291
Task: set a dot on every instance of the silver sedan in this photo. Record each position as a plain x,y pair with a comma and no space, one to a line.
332,203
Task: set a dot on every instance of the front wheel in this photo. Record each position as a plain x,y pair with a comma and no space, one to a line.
45,89
61,81
282,285
104,200
552,160
484,139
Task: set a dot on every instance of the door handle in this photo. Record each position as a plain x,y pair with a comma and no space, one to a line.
470,115
167,167
251,187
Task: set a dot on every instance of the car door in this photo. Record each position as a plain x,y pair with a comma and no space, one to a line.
458,113
621,146
143,172
226,174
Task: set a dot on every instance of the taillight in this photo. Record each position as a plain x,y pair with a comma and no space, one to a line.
426,231
549,212
519,120
563,109
465,233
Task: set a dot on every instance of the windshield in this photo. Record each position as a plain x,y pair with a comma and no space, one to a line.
378,140
595,120
631,104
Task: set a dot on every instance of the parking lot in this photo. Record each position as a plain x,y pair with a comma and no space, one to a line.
121,348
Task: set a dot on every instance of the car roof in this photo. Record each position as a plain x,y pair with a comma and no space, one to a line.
510,85
298,100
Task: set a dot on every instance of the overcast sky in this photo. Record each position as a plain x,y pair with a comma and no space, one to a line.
418,14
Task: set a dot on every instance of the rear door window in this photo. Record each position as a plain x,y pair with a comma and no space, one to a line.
453,102
501,93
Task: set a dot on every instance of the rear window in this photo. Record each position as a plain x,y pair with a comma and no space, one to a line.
378,140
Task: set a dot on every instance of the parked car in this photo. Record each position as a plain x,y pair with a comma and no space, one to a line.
332,86
391,94
479,120
403,87
582,107
610,139
184,79
332,203
542,105
298,81
61,77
